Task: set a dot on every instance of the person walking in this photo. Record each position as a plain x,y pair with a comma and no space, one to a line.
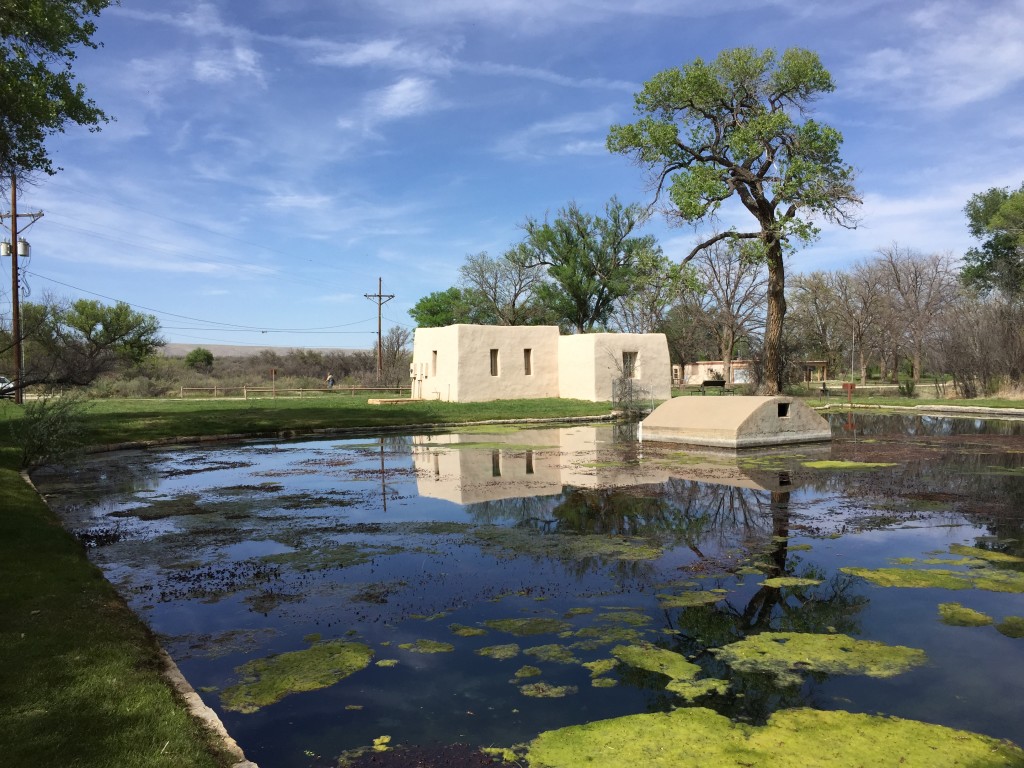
330,381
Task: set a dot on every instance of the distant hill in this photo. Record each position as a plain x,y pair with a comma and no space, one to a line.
230,350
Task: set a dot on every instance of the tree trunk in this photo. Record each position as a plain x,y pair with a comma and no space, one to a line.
727,345
772,383
863,368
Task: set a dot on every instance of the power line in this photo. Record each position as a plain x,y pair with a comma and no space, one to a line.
222,325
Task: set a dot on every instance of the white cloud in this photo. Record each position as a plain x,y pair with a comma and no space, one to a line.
574,134
955,54
218,67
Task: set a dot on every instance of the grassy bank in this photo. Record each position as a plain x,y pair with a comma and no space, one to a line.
81,683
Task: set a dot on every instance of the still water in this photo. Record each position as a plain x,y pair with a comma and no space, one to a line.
425,550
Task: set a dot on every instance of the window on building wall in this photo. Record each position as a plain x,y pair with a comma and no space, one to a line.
528,362
494,362
495,463
629,365
433,363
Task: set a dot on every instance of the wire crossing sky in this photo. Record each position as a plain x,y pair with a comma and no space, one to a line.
271,161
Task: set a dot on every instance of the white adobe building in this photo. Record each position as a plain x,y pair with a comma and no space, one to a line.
477,363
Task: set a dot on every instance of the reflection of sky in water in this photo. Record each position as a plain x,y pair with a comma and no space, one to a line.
239,552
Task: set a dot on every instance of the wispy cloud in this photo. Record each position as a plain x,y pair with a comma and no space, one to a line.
957,54
574,134
405,98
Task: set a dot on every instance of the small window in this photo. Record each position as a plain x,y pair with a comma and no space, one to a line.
433,363
494,362
495,463
783,410
784,479
529,462
528,362
629,365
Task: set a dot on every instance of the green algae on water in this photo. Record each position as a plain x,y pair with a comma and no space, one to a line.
266,681
632,618
790,738
654,659
831,464
507,651
581,611
694,689
595,637
789,581
600,667
527,671
957,615
553,652
547,691
427,646
463,631
385,663
984,554
529,626
1012,626
936,578
785,655
690,599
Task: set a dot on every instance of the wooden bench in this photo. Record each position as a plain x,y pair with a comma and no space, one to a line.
713,385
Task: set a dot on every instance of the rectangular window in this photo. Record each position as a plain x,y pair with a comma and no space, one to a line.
529,462
629,365
495,463
528,362
783,410
494,362
433,363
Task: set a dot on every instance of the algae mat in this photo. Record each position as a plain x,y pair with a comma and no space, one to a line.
323,594
798,738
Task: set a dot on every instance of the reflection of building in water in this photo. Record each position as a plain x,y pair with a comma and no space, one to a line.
471,468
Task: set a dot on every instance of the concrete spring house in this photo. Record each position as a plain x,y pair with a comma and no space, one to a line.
735,422
477,363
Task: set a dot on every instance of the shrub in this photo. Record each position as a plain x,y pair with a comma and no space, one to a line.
50,430
199,358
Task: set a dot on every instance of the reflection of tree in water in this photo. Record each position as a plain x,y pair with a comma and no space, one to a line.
829,607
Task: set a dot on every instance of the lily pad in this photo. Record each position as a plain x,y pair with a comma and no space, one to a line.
785,655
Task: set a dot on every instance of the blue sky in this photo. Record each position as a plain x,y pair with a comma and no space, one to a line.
270,160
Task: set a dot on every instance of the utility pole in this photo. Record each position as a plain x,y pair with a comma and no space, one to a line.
382,299
17,248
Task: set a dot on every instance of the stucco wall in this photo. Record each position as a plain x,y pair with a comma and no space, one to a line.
589,363
463,372
454,363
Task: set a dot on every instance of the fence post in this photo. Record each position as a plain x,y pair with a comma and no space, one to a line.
181,394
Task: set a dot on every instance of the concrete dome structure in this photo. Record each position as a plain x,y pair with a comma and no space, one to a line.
735,422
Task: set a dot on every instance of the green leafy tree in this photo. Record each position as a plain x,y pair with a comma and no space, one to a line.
200,358
74,344
453,306
38,92
591,261
996,217
730,130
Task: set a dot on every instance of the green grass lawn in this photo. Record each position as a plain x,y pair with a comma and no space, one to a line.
80,682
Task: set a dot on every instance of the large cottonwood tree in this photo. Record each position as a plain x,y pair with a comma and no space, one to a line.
39,96
735,128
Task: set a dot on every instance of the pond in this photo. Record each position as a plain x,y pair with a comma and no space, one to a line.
485,586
